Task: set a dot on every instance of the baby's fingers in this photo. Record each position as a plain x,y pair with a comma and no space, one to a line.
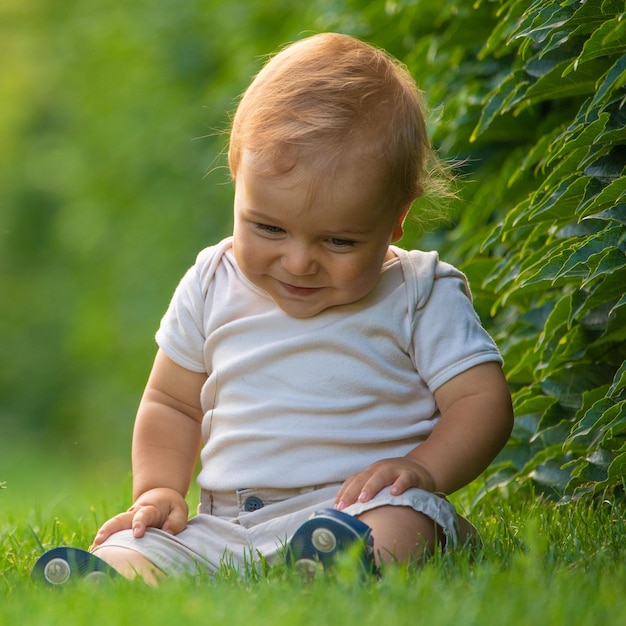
148,516
380,479
350,490
176,521
404,481
123,521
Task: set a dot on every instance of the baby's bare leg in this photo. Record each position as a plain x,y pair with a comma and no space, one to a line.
401,534
130,564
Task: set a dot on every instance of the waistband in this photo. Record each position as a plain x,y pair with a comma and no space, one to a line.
248,500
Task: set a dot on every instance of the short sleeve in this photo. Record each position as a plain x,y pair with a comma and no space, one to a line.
180,334
448,337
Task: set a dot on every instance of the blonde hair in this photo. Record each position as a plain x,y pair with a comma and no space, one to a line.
325,95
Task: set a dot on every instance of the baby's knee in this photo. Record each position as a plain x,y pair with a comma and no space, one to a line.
130,564
402,534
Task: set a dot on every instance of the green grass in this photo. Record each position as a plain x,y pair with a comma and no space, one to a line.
541,564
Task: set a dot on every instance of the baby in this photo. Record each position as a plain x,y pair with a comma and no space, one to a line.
334,385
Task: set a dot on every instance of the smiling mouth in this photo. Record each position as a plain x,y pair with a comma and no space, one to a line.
294,290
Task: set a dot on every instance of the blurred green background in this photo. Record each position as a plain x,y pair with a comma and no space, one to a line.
112,177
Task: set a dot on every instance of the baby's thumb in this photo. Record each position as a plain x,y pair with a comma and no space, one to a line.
176,521
146,517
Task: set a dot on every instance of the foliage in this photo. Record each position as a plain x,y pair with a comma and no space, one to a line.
560,283
536,109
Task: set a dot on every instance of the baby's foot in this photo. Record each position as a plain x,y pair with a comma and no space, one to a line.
329,532
62,565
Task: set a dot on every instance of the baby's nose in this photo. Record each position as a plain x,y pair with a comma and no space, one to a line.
299,260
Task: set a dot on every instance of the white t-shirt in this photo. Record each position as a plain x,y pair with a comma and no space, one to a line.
301,402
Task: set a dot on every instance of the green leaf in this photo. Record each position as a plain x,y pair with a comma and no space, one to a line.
568,384
619,381
535,154
523,369
613,80
555,86
613,335
615,213
541,268
589,399
612,7
512,89
617,469
590,250
541,64
540,23
590,472
610,260
600,414
563,201
545,264
616,34
611,195
524,428
551,473
572,346
561,38
535,403
592,16
617,426
606,290
508,24
570,156
497,477
554,425
613,135
557,321
609,39
620,305
582,136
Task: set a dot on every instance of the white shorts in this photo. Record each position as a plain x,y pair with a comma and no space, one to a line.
242,527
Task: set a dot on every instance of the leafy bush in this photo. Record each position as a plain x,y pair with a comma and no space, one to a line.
560,282
530,96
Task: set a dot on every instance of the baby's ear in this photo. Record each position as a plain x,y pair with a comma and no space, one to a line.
398,229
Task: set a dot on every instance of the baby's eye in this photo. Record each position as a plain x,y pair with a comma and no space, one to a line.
341,243
272,230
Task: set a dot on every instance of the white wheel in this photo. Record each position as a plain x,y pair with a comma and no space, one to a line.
323,540
57,571
307,569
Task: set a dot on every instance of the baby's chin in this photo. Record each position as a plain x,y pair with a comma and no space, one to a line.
303,310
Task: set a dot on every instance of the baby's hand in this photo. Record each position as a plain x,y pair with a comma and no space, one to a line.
158,508
401,473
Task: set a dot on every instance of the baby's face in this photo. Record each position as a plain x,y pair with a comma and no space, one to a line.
312,248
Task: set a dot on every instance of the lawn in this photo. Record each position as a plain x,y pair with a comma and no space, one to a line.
541,564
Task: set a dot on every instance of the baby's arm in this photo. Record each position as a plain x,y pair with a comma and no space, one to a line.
166,443
476,421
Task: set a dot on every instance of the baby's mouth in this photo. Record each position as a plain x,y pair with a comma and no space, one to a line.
297,290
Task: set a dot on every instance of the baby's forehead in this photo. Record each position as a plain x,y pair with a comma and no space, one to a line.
270,161
315,178
324,155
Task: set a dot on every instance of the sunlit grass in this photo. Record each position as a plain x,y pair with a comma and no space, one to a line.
541,563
